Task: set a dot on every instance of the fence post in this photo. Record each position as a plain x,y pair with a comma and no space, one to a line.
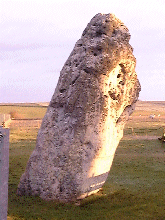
4,171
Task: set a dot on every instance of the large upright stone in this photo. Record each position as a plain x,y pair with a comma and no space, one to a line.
80,132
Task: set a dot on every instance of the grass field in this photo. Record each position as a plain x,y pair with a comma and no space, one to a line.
135,188
24,111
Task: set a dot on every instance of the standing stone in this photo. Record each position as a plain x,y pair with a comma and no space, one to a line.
4,172
95,94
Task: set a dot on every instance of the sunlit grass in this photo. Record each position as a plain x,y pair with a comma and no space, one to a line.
148,113
23,111
149,128
24,133
134,189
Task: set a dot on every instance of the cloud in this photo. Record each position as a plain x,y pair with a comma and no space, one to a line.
38,36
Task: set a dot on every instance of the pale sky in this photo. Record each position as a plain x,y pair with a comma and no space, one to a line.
37,37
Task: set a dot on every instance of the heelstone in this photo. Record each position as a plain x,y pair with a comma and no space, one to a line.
96,92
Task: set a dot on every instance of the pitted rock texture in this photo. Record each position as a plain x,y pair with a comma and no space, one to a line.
95,94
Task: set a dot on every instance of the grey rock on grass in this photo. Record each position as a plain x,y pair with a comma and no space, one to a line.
95,94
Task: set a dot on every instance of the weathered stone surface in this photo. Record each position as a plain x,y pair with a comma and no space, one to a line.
4,172
80,132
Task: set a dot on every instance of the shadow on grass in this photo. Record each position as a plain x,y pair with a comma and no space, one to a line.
118,205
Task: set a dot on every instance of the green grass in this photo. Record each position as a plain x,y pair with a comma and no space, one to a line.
148,113
22,111
18,134
147,108
150,128
142,166
134,188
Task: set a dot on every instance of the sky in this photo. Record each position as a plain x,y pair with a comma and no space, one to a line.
37,36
